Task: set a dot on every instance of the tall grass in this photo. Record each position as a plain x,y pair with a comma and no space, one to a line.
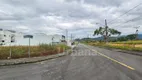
127,45
129,42
22,51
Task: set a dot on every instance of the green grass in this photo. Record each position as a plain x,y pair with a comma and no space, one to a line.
22,51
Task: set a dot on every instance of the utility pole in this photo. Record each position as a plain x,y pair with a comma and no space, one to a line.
87,35
136,33
29,48
52,40
71,37
10,50
67,36
106,34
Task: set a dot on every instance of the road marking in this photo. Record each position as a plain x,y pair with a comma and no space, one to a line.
129,67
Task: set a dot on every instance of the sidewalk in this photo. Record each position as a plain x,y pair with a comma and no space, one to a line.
31,60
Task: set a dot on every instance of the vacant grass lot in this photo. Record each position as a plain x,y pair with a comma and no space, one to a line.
22,51
129,42
127,45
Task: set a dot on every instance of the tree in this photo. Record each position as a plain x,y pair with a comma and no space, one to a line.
128,37
106,32
122,38
131,37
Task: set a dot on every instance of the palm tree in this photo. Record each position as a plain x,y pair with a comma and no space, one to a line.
106,32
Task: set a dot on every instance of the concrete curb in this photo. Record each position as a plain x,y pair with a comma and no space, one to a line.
32,60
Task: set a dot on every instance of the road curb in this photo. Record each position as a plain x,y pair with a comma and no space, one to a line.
36,59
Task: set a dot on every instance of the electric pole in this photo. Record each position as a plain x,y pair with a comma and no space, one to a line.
106,28
136,33
87,35
71,37
52,40
67,36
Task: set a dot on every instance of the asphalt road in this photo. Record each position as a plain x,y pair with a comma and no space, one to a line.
85,63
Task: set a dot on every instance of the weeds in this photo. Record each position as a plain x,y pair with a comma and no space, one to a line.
127,45
22,51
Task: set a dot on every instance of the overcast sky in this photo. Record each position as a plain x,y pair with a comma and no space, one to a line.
78,16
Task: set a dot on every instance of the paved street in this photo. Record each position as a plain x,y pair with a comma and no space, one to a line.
85,63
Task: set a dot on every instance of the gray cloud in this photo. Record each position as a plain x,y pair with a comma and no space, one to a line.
54,16
101,3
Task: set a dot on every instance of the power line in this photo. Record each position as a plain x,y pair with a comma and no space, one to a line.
127,21
125,13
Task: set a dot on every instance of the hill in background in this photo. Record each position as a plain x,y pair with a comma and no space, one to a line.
140,36
111,38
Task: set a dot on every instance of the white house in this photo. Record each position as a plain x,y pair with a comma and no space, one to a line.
9,37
